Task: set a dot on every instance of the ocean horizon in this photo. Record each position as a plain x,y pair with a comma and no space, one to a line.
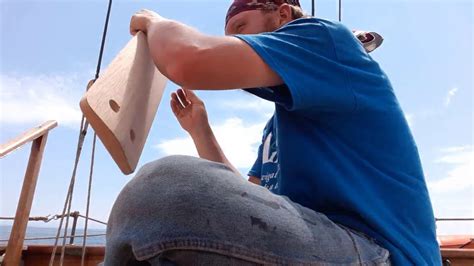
50,232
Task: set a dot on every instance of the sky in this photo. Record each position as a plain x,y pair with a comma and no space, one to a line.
49,50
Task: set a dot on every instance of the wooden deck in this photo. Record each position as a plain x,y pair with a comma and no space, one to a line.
39,255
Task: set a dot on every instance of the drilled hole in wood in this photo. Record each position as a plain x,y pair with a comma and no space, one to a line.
132,135
114,105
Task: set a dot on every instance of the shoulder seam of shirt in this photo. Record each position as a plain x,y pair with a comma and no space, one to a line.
347,79
283,74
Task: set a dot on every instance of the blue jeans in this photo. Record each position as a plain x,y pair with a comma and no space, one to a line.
183,210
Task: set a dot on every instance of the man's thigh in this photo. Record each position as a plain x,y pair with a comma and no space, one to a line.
184,203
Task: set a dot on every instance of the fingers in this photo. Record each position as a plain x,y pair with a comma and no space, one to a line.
174,107
182,97
175,100
191,96
134,24
140,20
179,101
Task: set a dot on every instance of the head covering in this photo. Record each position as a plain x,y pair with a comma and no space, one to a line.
239,6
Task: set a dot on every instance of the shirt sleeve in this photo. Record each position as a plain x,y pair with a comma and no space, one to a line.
256,169
303,54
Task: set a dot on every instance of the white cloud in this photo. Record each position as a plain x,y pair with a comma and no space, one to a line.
460,176
238,141
36,99
184,146
449,96
259,105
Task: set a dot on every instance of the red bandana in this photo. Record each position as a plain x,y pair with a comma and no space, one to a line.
239,6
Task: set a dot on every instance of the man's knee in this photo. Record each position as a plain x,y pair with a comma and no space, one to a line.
182,171
188,184
169,180
174,168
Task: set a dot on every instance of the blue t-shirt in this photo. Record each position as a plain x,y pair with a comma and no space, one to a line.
266,166
339,142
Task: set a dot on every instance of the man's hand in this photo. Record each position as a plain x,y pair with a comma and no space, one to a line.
192,116
142,20
189,110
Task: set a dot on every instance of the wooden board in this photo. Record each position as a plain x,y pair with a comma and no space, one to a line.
121,105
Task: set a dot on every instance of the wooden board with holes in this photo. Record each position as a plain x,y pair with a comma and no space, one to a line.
121,105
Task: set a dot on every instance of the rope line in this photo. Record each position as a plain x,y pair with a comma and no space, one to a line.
69,200
99,63
49,218
454,219
340,10
94,220
81,140
80,143
104,36
63,247
45,219
88,199
53,237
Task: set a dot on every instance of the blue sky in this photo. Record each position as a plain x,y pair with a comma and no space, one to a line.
48,52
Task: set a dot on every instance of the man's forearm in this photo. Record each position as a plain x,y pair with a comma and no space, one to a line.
208,148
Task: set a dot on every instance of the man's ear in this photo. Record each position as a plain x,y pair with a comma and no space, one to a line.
285,14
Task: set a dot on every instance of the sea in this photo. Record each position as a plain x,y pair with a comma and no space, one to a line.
48,232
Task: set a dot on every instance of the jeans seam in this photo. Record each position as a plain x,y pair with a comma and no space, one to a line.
382,258
354,244
220,247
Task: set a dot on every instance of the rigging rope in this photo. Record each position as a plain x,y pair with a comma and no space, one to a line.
340,10
80,143
53,237
83,132
88,200
49,218
104,36
453,219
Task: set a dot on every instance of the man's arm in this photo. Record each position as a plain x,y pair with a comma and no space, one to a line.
208,148
195,60
198,61
192,116
254,180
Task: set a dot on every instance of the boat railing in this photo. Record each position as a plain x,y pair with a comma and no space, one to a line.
38,137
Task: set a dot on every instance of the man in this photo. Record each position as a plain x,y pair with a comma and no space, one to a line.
338,173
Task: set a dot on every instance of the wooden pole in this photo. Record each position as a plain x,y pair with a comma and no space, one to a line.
17,235
75,215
